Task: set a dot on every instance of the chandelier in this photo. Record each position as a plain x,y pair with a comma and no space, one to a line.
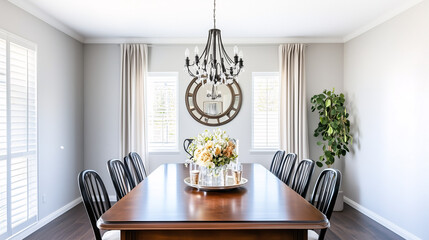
214,66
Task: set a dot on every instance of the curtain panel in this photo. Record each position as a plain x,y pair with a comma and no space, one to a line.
133,113
293,106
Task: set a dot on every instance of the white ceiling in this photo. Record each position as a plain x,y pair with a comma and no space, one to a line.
101,19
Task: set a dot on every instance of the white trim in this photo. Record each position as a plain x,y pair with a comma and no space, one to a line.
42,222
35,11
18,40
381,220
251,40
380,20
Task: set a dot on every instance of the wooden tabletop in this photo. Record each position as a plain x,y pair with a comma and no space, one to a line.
164,201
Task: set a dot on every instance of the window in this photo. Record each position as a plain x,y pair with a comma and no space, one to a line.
18,135
162,112
266,111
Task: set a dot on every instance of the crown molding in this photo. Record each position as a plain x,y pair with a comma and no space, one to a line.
35,11
382,19
243,41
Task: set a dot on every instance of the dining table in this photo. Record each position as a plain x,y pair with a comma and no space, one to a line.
163,206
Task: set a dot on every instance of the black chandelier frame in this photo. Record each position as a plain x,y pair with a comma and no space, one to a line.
207,68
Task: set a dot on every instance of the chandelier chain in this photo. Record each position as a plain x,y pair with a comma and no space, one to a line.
214,13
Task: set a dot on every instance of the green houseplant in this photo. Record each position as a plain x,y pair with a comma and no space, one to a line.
333,126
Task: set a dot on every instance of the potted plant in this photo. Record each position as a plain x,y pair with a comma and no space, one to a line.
333,127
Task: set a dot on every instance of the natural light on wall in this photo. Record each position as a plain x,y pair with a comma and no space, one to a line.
162,112
265,111
18,135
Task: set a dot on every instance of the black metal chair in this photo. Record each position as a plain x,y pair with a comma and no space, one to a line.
286,167
96,201
276,162
134,164
302,177
324,196
121,178
186,144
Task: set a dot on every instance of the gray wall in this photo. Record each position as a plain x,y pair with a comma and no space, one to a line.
102,89
386,74
324,63
102,69
60,105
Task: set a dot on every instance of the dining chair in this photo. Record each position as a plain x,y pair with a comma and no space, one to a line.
286,167
121,177
324,196
96,202
186,144
302,177
276,162
134,164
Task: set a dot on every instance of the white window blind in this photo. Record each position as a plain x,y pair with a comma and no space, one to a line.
18,135
266,111
162,107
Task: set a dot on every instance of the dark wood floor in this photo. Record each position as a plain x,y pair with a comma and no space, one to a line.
348,224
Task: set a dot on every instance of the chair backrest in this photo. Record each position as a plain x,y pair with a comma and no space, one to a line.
302,177
94,196
286,167
186,144
276,162
135,166
325,193
121,178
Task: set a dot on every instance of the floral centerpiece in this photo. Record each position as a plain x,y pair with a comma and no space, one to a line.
213,149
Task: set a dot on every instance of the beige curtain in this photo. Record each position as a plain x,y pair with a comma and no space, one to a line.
293,112
133,77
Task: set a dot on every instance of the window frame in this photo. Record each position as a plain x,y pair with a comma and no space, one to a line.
22,42
163,150
252,144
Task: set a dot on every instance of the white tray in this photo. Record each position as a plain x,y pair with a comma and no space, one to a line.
229,180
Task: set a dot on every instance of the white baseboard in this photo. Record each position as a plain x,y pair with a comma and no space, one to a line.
42,222
381,220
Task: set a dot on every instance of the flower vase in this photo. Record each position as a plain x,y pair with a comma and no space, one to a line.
213,176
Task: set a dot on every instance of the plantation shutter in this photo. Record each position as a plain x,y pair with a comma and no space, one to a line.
162,112
266,111
3,140
18,136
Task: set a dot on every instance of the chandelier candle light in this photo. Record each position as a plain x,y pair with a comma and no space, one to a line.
207,68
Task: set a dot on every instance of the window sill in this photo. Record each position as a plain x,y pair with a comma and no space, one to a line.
164,152
263,151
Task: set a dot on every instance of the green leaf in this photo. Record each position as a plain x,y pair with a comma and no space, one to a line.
319,164
328,102
319,143
330,130
346,148
324,120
